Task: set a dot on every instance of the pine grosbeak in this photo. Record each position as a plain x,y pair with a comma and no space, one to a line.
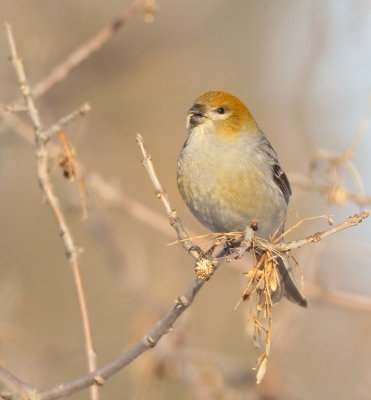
229,174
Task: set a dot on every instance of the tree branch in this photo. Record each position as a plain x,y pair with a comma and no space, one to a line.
183,302
150,340
12,388
58,126
42,157
353,220
84,51
163,197
336,194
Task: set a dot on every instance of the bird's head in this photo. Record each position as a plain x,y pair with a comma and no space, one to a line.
220,113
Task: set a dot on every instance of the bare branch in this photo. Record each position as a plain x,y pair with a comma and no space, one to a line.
183,301
106,192
115,197
335,194
13,388
15,108
57,127
353,220
162,196
24,87
42,156
150,340
84,51
327,165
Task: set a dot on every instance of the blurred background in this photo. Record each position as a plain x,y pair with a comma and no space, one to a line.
303,69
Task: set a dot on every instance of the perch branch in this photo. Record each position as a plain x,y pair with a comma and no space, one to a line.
182,303
150,340
163,197
353,220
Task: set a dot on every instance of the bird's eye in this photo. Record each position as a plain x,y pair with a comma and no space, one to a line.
221,110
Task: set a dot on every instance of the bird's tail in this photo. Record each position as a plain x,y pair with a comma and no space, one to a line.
289,287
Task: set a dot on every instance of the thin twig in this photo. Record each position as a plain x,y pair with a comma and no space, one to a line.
336,194
114,197
12,388
110,194
57,127
46,186
332,183
85,50
15,108
353,220
162,196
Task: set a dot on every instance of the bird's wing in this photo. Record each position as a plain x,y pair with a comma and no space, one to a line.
281,180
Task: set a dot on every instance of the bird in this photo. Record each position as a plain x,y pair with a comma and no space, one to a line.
229,175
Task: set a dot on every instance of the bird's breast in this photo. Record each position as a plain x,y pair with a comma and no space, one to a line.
225,187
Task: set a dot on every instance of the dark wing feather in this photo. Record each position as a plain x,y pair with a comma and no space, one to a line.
279,176
282,182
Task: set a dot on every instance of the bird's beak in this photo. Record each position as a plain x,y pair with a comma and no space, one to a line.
195,115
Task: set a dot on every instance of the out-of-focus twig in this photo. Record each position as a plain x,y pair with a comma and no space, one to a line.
334,194
338,298
57,127
42,156
11,387
150,9
113,196
84,51
326,171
